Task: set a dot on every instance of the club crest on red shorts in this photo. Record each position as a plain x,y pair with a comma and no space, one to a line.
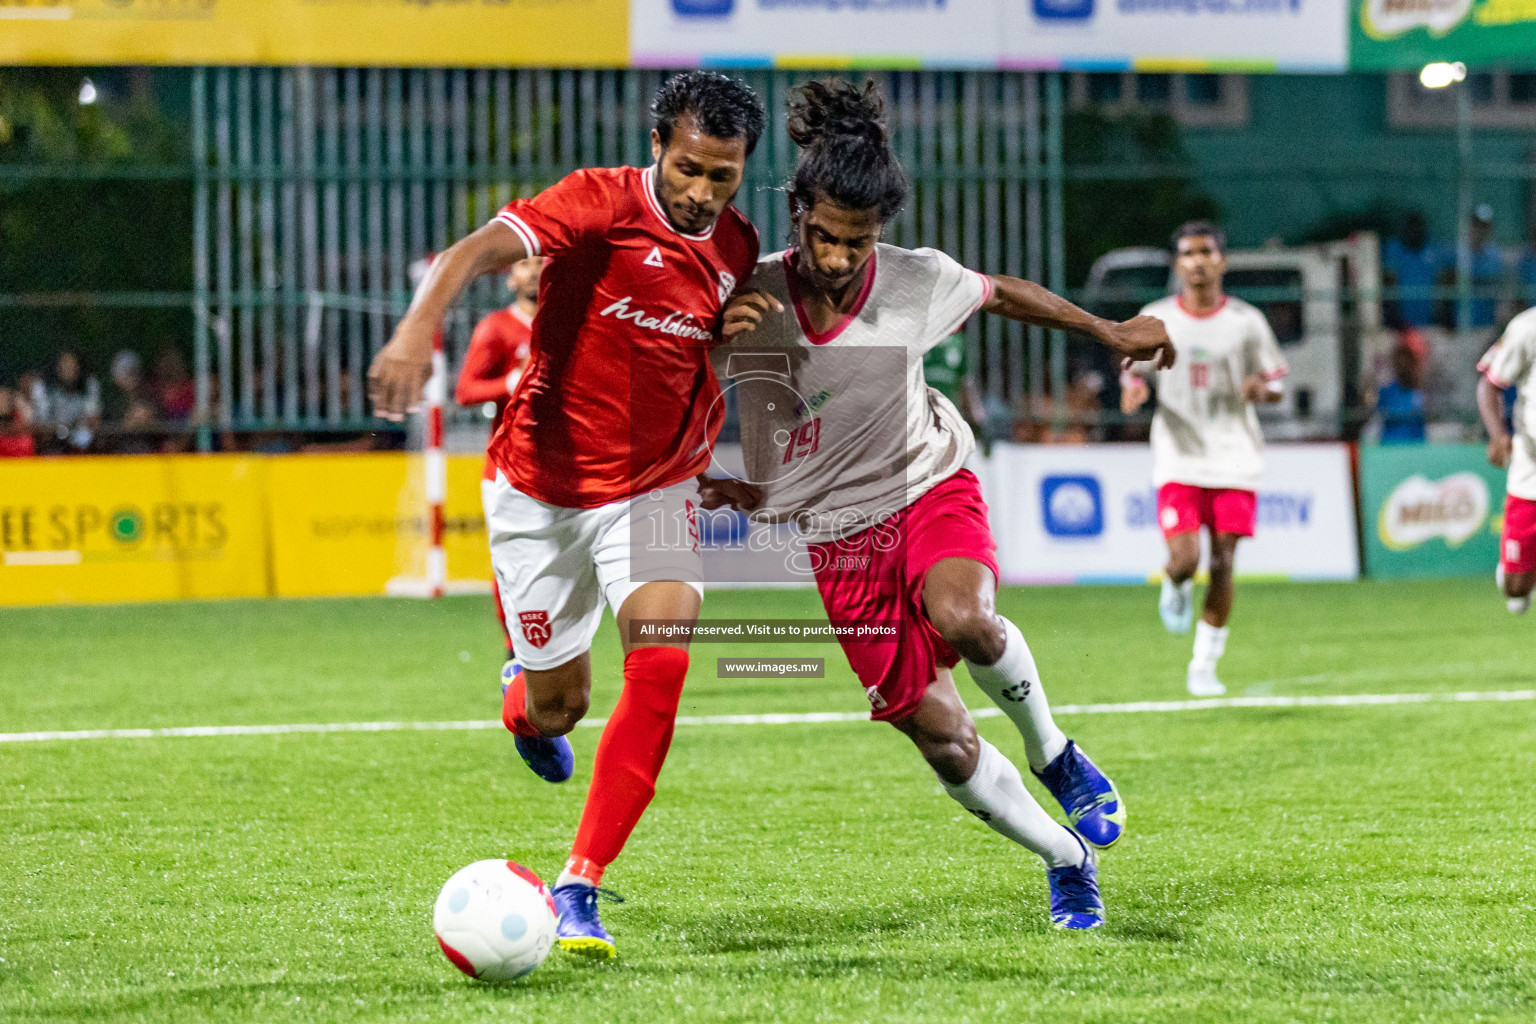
535,627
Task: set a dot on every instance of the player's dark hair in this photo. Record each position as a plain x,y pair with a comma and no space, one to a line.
720,106
845,154
1198,229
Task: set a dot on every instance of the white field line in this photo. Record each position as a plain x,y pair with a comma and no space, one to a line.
1134,707
1385,673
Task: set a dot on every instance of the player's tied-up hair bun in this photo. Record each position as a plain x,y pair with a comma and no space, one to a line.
845,153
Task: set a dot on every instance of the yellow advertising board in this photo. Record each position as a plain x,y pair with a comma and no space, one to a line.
350,524
131,528
387,33
161,528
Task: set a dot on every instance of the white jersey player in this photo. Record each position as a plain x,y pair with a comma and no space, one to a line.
841,435
1512,363
1207,450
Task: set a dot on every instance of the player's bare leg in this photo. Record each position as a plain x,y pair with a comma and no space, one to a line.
539,706
959,599
987,784
1177,601
558,698
629,757
1517,590
1211,631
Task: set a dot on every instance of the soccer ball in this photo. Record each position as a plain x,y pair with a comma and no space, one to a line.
495,920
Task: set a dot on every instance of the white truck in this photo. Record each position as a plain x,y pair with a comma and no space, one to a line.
1323,302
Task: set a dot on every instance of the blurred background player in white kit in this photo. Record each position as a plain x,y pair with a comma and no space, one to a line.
1512,361
1207,449
493,366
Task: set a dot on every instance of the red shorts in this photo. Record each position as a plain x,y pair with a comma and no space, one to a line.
1182,508
1517,548
877,575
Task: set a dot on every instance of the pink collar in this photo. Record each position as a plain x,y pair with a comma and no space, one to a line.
823,337
1200,316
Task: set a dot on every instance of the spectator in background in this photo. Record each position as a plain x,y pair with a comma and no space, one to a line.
175,392
128,410
15,425
175,395
1526,270
69,405
1078,419
127,384
1487,269
1414,265
1400,403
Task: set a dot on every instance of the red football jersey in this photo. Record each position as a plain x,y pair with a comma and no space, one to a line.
618,393
498,349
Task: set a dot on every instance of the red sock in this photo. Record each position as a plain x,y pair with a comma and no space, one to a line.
630,754
514,708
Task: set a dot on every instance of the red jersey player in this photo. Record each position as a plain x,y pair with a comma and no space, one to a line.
494,364
603,439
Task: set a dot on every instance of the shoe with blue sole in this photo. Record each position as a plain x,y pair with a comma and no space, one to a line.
550,757
578,928
1092,803
1075,901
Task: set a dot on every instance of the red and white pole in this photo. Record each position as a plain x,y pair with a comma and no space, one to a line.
436,465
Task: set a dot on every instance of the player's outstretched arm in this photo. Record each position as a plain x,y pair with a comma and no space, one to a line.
402,367
1490,405
1139,338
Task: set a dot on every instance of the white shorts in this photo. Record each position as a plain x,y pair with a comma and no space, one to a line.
556,567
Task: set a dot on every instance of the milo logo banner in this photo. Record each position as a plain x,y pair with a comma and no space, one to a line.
1432,510
1407,34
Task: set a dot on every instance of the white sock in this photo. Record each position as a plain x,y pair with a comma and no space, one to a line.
1210,644
995,793
1517,605
1013,684
566,878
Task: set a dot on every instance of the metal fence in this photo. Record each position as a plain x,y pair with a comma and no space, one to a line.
316,190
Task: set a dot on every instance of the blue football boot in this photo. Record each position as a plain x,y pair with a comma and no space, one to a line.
578,929
1075,902
550,757
1092,802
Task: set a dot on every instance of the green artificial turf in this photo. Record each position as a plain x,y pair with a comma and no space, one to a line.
1280,864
